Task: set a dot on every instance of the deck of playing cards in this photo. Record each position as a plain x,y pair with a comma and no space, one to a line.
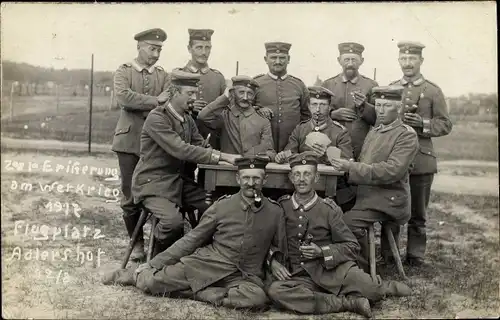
317,137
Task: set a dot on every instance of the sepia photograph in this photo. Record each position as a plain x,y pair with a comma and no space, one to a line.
266,160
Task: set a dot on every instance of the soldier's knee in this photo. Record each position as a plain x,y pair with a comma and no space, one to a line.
145,281
247,296
173,224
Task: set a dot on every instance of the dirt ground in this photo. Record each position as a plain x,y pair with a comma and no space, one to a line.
84,236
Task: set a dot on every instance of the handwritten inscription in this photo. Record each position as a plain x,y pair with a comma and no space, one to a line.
71,167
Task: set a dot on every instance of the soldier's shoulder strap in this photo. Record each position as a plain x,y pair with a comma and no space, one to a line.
332,78
259,75
126,65
329,202
273,201
304,121
159,68
216,71
395,81
432,83
284,198
409,128
222,198
296,78
339,125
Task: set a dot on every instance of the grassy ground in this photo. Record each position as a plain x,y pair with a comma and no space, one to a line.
468,139
462,278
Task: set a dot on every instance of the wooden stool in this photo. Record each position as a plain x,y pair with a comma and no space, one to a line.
394,250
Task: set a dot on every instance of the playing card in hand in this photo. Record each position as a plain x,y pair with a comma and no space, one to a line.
317,137
333,153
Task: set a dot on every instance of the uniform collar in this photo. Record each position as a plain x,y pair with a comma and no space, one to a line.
390,126
137,66
321,127
193,69
415,81
275,77
245,203
246,112
308,205
170,108
353,80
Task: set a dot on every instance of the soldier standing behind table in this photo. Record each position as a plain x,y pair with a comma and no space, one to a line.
212,84
139,87
170,140
284,95
319,106
426,111
351,90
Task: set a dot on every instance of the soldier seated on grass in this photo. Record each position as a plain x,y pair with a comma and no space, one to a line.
382,173
221,261
319,105
320,274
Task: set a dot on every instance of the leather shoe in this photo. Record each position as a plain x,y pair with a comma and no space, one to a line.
414,261
124,277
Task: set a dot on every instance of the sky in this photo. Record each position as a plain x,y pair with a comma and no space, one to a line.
460,37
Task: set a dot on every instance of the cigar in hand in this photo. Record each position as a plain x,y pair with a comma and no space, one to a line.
205,142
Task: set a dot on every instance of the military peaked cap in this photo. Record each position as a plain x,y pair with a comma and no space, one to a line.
182,78
410,47
200,34
245,81
351,47
320,92
393,92
255,162
277,47
306,157
154,36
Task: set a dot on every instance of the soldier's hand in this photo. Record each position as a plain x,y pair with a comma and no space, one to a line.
279,271
227,90
340,164
413,119
163,97
358,98
198,105
319,149
265,113
281,157
311,251
142,267
344,114
228,157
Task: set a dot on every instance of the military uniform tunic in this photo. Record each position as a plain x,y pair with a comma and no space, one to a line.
342,88
288,99
334,273
233,238
436,123
243,131
136,89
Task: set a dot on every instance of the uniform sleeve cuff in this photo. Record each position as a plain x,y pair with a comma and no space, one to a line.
327,255
215,157
427,125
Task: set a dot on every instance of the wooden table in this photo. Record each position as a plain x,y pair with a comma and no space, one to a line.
223,174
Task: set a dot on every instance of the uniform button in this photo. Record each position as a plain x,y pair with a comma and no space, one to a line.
302,263
429,152
409,86
300,234
146,93
301,210
149,180
409,92
300,226
300,217
407,98
201,92
407,106
279,121
392,198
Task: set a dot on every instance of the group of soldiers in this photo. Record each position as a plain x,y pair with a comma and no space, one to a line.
301,251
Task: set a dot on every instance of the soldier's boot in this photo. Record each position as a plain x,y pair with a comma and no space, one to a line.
138,253
123,277
329,303
396,289
160,246
213,295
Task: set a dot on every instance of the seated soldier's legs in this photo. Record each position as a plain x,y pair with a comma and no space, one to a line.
170,280
296,294
385,249
193,197
170,224
359,283
359,221
242,293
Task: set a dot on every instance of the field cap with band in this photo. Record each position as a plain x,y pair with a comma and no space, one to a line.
200,34
306,157
351,47
154,36
255,162
320,92
277,47
410,47
394,92
245,81
182,78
